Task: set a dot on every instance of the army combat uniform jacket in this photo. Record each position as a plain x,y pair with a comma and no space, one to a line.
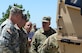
50,45
23,41
39,37
9,40
7,22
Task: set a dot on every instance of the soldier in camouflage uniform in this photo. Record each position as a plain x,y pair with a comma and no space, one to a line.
50,45
23,35
9,37
41,35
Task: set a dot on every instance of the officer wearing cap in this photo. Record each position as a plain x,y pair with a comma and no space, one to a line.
9,36
50,45
42,34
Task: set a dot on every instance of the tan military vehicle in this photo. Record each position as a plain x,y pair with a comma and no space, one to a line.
69,24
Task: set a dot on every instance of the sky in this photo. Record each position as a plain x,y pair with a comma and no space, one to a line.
37,9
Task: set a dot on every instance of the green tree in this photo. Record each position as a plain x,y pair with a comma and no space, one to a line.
28,15
5,15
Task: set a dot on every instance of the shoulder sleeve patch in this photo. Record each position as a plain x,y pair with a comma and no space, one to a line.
9,31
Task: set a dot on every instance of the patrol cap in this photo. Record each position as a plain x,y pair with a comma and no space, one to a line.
15,9
34,24
46,19
25,17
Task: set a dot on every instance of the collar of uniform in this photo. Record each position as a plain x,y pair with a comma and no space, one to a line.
25,30
16,27
41,30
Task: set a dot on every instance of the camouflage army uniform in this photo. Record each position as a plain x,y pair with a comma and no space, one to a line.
9,42
23,41
50,45
13,40
7,22
38,39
